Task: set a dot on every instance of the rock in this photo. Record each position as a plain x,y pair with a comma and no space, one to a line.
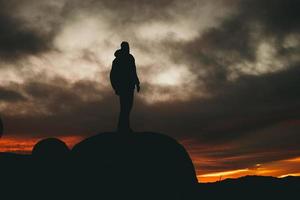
134,166
50,149
106,166
49,169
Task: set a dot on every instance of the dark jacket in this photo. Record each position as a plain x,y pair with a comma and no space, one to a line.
123,76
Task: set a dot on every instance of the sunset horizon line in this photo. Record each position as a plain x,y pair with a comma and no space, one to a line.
24,146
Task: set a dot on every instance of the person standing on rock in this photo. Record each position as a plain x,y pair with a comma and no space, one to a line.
124,80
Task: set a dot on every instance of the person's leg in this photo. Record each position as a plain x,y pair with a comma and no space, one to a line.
121,121
126,103
129,105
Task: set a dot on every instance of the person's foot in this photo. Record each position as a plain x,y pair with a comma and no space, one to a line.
130,130
125,130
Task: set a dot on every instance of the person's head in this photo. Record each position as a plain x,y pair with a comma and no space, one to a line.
118,53
125,47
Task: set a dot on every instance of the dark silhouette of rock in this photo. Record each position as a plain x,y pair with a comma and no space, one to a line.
50,168
11,162
134,166
50,149
50,157
118,166
251,187
14,175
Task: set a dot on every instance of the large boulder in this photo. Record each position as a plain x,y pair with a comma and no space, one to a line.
50,169
106,166
50,149
132,166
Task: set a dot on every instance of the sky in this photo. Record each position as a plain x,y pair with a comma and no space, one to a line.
222,77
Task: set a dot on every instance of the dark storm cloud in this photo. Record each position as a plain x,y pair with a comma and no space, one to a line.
126,12
278,17
236,40
61,108
15,42
262,95
251,101
17,38
10,95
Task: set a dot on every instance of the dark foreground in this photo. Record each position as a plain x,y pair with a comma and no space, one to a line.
252,187
123,166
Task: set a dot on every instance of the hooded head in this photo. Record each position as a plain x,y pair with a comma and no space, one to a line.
118,53
125,47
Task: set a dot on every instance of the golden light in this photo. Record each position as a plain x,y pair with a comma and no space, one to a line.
25,145
280,169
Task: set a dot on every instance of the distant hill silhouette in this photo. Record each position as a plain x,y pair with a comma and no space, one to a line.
119,166
252,187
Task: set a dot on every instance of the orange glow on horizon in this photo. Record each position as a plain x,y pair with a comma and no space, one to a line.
25,145
280,169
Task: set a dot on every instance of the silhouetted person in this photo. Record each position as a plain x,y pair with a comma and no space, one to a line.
124,79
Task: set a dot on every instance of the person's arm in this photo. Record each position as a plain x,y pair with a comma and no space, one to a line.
136,78
112,76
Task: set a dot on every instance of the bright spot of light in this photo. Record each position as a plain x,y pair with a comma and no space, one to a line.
173,77
226,173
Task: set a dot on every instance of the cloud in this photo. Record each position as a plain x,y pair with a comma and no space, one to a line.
251,40
10,95
18,36
222,74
